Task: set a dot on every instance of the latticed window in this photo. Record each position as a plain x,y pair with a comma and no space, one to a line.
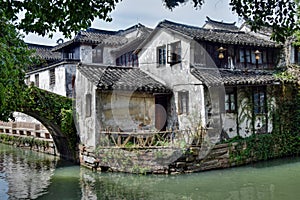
259,100
52,76
230,101
183,102
97,55
161,56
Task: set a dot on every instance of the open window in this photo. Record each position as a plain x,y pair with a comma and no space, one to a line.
174,53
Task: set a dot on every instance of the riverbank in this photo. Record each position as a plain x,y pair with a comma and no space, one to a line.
234,152
27,135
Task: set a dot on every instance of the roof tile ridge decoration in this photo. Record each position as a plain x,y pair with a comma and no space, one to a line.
218,22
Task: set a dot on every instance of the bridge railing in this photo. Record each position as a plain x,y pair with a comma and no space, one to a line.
152,139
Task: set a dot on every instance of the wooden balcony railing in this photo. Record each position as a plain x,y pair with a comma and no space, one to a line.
152,139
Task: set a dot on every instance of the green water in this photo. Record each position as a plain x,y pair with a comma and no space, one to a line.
30,175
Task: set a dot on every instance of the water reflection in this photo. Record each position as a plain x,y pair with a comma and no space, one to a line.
24,174
28,175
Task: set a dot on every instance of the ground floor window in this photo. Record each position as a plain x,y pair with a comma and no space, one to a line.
259,100
183,102
230,100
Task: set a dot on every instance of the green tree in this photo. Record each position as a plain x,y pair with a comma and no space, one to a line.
14,58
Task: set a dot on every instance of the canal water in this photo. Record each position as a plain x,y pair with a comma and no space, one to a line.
31,175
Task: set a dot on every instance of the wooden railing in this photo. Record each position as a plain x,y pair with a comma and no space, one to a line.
152,139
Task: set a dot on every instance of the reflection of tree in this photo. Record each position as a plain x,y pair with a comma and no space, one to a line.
27,173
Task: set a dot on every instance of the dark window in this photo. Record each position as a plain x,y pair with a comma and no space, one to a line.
230,101
174,53
161,56
37,80
259,100
52,76
297,55
97,55
183,102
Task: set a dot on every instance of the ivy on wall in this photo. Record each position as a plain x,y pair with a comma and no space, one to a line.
52,108
285,137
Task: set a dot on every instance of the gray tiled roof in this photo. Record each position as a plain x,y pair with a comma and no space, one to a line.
220,36
121,78
94,37
215,76
44,52
221,25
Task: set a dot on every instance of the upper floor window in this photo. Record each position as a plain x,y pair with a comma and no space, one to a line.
264,58
97,55
174,53
259,100
128,59
183,102
161,56
52,76
230,101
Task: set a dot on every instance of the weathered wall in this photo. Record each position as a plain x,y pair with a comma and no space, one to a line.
85,111
63,79
177,77
44,80
125,110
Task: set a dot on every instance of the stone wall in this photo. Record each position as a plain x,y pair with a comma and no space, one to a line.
157,160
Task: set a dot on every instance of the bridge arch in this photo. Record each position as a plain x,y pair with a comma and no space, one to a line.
56,114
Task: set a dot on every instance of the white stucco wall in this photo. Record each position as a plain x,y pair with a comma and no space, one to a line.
176,77
87,125
44,80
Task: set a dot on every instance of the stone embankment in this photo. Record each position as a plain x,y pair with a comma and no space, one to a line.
158,160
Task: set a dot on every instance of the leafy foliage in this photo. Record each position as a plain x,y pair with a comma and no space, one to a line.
14,59
68,16
282,16
285,137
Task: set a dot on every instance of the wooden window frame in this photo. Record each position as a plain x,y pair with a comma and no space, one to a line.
52,77
161,56
259,100
230,101
174,53
97,55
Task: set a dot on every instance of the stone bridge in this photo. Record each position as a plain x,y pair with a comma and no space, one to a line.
55,113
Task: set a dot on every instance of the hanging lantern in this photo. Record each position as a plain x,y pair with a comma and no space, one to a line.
221,54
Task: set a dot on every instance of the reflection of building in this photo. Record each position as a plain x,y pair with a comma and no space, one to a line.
27,174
